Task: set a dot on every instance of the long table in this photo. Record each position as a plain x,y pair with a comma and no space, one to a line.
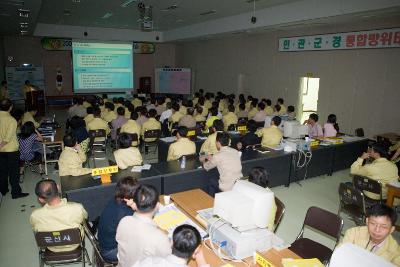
169,178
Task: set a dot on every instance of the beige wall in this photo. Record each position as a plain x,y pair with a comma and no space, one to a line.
360,86
29,50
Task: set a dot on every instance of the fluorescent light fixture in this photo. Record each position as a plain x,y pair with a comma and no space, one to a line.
107,15
127,3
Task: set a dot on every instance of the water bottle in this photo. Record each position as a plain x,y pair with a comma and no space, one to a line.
183,162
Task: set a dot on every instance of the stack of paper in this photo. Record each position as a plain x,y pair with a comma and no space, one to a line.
140,168
302,263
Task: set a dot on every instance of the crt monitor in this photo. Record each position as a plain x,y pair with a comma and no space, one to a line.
246,206
293,129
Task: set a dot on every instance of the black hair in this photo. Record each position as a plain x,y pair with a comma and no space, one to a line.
80,101
96,111
124,140
277,108
121,100
332,119
214,111
199,109
277,120
89,110
134,116
380,149
218,125
175,106
121,111
261,105
182,131
280,101
76,122
223,138
290,108
268,102
185,240
125,188
382,210
259,176
254,102
242,106
5,104
152,113
146,198
4,82
169,105
31,108
190,111
69,140
314,117
27,129
104,96
109,105
46,189
231,108
252,126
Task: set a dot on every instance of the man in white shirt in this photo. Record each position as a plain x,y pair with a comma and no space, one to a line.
138,236
167,113
186,245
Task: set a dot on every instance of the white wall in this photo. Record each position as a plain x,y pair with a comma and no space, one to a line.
360,86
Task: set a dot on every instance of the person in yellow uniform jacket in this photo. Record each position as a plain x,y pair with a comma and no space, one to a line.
176,115
3,90
271,136
182,146
199,114
127,155
283,108
109,114
136,102
151,124
72,158
89,117
268,109
381,169
98,123
209,146
132,127
202,105
253,109
230,117
376,236
29,116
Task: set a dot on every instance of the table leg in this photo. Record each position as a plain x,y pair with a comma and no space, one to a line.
45,159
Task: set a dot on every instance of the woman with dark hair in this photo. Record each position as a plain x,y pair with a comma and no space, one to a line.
78,129
331,128
27,139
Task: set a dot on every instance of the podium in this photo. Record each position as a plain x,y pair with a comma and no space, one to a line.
35,98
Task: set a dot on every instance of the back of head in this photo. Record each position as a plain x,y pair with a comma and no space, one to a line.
214,111
223,138
190,111
27,129
89,110
231,108
109,105
124,140
314,117
290,108
152,113
268,102
74,101
259,176
185,241
199,109
242,106
80,101
121,111
277,120
254,102
5,105
126,188
47,190
378,210
218,125
134,116
280,101
69,140
261,105
380,149
332,119
182,131
76,122
96,112
277,108
121,100
175,106
146,198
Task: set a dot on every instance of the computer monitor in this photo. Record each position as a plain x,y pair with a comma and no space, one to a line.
246,206
293,129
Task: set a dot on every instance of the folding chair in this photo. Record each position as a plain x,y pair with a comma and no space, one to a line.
323,221
370,185
151,137
352,203
61,238
280,210
97,144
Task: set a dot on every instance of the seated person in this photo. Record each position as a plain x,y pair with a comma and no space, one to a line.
331,128
182,145
98,123
212,118
183,107
283,109
209,146
380,169
166,113
136,101
230,117
151,124
186,245
109,114
27,139
376,235
115,210
199,114
138,236
291,113
132,127
260,176
77,109
261,114
253,108
228,163
202,105
176,115
57,213
89,117
271,136
250,138
188,120
29,116
72,158
314,129
142,111
242,112
268,109
160,107
118,122
78,129
127,155
395,156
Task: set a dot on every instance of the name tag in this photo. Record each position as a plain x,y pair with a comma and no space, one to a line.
261,261
104,170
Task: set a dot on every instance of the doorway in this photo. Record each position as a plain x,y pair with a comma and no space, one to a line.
308,97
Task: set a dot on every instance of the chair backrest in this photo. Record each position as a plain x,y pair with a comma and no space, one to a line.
367,184
152,134
189,157
280,210
243,120
324,221
97,258
260,124
134,137
349,195
359,132
97,133
58,238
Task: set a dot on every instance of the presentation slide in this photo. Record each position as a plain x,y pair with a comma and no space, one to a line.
173,80
102,67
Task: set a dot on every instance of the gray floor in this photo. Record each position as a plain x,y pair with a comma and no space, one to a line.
18,247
